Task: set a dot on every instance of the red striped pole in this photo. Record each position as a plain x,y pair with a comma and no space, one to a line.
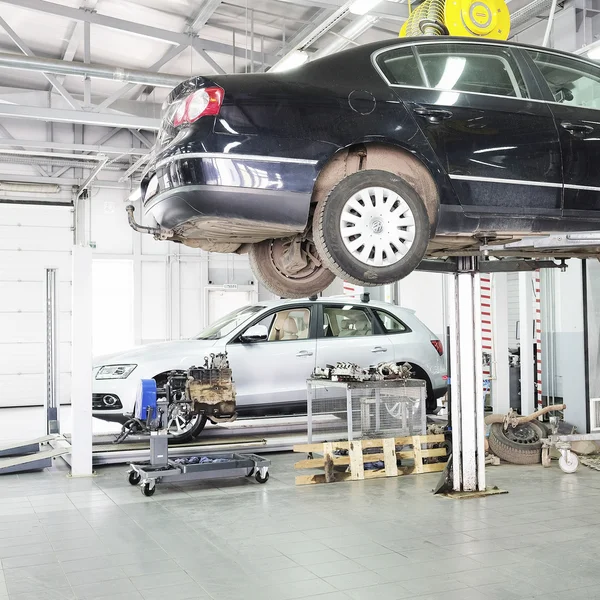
538,336
485,287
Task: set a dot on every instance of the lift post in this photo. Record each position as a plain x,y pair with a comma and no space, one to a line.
468,430
467,408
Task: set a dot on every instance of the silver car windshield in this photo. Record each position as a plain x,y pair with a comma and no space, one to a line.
225,325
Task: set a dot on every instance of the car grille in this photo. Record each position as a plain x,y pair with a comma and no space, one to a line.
106,402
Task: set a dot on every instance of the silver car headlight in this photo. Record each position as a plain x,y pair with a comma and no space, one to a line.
115,371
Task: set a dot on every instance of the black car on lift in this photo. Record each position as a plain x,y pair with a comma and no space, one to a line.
362,163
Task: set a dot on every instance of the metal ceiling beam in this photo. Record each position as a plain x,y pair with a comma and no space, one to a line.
78,116
26,50
192,29
10,140
347,35
97,148
105,138
171,53
206,11
156,33
142,138
214,65
61,181
386,10
72,46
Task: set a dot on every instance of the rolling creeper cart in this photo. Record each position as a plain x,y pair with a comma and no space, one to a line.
204,390
215,466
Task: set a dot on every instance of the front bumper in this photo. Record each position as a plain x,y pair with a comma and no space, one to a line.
255,193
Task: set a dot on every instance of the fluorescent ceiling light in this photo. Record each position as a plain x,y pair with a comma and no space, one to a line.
362,7
291,61
455,65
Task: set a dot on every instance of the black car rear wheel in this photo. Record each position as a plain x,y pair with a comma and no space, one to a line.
372,229
290,267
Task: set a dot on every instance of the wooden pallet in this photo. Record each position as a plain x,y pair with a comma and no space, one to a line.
355,459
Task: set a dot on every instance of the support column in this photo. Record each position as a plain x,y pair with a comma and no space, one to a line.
500,366
81,363
468,454
81,353
526,342
52,359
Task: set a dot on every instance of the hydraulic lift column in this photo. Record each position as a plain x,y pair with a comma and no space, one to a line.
468,430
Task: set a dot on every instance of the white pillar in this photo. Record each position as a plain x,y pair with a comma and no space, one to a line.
500,366
468,454
526,342
81,363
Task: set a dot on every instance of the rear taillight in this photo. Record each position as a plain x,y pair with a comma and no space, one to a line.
438,346
202,103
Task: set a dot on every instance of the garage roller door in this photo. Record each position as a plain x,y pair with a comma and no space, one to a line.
32,238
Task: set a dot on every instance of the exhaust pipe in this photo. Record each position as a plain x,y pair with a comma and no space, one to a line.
157,232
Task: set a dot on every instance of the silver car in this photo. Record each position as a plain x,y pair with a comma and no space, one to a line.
273,348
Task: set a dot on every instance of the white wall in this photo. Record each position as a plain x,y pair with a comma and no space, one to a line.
169,280
424,293
164,297
564,371
513,308
32,238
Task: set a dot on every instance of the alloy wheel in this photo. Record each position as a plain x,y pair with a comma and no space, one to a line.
377,226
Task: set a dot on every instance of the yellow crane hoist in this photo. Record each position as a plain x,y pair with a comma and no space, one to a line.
467,18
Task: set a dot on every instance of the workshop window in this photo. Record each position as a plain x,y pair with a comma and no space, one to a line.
346,321
571,82
285,325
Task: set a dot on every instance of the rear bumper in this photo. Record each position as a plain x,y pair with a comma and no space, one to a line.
256,193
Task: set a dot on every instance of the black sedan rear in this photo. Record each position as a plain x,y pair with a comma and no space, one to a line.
360,164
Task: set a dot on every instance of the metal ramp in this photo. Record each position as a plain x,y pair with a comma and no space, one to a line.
29,455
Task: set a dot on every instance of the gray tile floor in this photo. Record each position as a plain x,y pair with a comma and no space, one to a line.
63,538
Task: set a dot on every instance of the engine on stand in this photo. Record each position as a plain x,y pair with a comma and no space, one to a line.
207,390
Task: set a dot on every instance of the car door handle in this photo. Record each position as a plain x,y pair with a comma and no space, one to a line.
379,349
433,115
303,353
577,127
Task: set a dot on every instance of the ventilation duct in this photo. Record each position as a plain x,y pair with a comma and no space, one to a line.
98,71
529,12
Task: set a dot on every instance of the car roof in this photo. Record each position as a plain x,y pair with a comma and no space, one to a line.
365,50
342,299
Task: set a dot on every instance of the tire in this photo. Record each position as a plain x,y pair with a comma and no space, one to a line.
265,263
519,446
261,479
147,490
189,434
431,406
375,225
134,478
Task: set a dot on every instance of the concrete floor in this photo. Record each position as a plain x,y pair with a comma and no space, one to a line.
63,538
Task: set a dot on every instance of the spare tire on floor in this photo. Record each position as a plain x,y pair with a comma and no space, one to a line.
520,445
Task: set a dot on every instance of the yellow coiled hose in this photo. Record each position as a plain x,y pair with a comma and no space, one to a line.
469,18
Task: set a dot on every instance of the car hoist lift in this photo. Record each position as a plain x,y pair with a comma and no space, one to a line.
481,19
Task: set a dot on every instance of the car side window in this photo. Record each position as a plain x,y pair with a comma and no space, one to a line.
571,82
400,67
474,68
391,324
346,321
285,325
